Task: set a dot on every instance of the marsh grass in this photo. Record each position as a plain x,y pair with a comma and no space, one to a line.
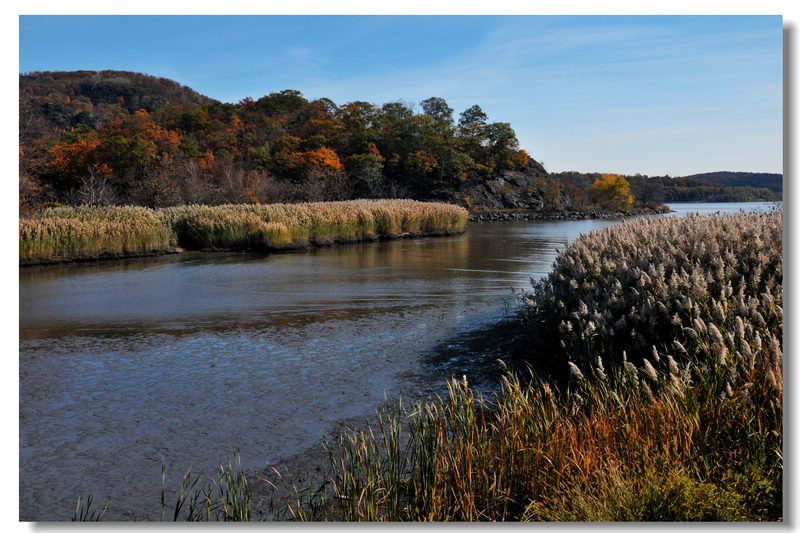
85,510
688,428
226,496
85,233
59,234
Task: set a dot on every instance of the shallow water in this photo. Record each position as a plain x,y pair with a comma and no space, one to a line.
188,358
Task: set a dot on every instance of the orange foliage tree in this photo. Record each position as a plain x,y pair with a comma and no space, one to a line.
322,159
612,191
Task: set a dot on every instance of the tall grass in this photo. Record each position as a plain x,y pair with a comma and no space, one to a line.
79,233
60,234
648,283
690,429
226,497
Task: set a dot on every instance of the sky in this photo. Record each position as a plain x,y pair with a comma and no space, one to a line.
656,95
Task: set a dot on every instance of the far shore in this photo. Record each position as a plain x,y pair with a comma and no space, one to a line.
537,214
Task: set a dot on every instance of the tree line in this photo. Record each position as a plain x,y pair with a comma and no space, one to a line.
115,137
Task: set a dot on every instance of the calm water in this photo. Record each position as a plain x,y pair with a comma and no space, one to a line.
187,359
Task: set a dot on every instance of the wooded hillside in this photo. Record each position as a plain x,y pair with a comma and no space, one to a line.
121,137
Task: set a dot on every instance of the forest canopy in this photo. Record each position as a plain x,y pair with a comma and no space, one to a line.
150,141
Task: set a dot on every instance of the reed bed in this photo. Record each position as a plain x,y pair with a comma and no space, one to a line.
688,430
63,234
642,285
86,233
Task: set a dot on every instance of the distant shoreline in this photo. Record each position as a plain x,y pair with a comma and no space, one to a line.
534,214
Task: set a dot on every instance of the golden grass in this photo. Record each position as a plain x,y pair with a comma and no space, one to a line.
80,233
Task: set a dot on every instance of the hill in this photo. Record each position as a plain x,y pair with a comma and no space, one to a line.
122,137
773,182
68,99
652,190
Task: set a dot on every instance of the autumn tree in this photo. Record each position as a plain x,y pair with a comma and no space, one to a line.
366,171
613,192
437,109
163,144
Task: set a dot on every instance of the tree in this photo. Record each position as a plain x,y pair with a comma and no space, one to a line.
95,189
503,145
612,191
366,171
472,121
437,109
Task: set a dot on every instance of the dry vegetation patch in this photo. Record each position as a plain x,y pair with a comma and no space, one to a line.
687,428
86,233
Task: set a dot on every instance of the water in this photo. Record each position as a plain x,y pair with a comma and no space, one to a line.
186,359
683,209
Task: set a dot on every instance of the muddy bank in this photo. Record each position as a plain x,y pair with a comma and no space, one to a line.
475,354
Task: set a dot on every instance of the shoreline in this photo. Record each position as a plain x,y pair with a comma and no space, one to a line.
175,250
535,214
482,216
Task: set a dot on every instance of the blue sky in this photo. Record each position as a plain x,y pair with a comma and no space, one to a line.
656,95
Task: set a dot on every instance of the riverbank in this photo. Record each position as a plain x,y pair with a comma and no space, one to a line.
84,234
686,427
537,214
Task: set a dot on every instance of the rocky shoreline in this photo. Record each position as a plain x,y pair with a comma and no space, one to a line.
535,214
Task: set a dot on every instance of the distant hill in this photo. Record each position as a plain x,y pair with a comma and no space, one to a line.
650,190
67,99
758,180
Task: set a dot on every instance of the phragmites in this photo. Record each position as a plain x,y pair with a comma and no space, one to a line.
649,371
696,301
575,371
654,282
73,233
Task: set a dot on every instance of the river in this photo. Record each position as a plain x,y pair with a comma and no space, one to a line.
185,359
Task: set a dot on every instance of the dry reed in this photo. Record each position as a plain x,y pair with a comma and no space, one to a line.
86,233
